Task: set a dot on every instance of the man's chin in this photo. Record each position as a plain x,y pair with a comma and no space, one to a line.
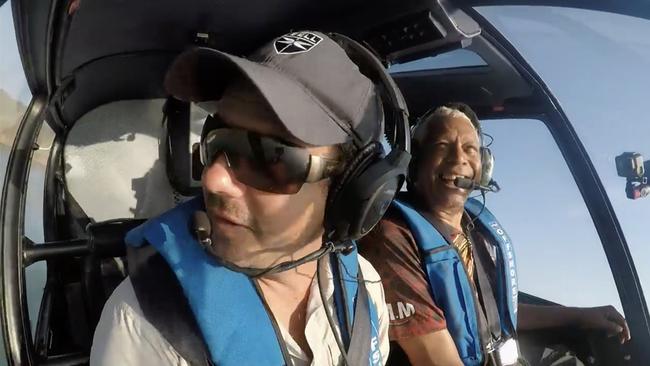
226,249
449,195
237,250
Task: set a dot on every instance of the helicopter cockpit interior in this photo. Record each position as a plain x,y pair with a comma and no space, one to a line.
122,149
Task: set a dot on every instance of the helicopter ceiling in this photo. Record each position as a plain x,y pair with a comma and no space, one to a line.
102,28
107,51
102,51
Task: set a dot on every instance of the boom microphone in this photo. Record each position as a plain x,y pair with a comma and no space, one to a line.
202,229
466,183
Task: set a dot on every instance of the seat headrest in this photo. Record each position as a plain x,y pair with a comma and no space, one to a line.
115,161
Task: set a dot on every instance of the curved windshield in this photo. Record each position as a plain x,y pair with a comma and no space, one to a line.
447,60
597,66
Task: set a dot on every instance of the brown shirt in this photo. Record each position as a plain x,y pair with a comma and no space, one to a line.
392,250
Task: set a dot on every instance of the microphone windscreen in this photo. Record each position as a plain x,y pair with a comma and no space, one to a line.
464,183
202,223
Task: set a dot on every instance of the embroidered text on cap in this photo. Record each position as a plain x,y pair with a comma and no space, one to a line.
297,42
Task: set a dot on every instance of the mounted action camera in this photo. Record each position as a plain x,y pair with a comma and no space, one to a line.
630,165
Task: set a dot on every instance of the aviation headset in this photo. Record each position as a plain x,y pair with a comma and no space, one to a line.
363,193
360,196
487,159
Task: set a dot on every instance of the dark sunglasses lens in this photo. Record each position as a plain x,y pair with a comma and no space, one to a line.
262,163
273,178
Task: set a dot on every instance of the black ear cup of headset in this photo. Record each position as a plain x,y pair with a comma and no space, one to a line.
361,201
363,193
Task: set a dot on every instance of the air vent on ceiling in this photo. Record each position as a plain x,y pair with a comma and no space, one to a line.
440,27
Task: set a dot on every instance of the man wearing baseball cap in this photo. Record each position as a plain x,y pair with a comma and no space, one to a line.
246,274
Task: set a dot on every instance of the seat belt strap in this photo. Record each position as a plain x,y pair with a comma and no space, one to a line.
487,299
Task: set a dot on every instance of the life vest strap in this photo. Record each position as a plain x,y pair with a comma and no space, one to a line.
488,301
159,294
173,274
452,289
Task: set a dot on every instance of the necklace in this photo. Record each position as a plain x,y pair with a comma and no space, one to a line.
464,246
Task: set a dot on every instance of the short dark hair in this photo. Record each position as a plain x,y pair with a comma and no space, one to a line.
346,153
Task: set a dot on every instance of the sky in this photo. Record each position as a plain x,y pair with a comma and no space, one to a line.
596,65
12,78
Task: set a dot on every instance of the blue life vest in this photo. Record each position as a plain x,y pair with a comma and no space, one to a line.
234,323
450,286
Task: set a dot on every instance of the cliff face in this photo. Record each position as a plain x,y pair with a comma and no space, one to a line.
11,113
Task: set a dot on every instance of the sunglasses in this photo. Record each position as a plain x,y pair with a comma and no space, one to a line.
265,163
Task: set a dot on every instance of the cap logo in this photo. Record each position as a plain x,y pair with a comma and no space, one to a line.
297,42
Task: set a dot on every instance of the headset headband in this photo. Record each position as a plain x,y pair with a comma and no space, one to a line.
392,98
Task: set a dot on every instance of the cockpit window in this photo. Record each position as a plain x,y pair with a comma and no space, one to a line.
541,208
14,91
452,59
596,64
15,97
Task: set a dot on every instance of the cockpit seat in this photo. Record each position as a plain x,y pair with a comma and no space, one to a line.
114,160
125,162
105,266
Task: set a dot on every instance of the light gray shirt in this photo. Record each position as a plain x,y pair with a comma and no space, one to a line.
124,336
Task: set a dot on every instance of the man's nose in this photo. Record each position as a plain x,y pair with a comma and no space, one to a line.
219,178
457,154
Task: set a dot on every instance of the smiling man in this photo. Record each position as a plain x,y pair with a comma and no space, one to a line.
245,275
449,267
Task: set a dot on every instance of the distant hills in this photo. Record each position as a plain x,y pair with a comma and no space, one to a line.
11,113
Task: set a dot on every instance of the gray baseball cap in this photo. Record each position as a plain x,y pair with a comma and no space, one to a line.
307,79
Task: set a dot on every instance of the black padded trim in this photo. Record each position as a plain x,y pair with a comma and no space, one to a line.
164,305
